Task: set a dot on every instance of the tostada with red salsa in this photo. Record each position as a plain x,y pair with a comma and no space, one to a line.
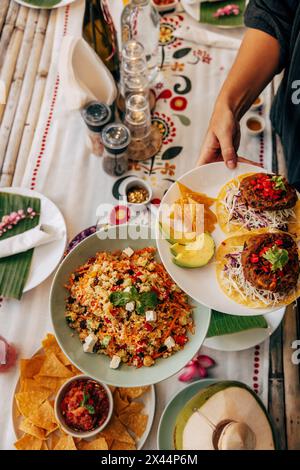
260,269
255,201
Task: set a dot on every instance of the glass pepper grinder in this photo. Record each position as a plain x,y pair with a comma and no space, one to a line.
96,115
116,139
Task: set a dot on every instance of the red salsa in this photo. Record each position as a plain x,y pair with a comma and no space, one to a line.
85,405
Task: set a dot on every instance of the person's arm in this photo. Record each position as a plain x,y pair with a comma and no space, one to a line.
262,54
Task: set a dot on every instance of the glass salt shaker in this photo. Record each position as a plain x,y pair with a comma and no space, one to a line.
116,139
96,115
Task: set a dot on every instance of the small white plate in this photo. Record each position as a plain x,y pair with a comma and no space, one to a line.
63,3
248,338
45,257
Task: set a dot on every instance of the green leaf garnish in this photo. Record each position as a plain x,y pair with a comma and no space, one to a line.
90,409
278,257
279,183
86,397
143,300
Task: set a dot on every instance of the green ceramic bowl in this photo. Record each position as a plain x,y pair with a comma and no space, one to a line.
166,427
96,365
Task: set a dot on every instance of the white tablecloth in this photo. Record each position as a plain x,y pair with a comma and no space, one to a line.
59,165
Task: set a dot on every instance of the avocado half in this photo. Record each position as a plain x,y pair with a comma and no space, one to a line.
214,408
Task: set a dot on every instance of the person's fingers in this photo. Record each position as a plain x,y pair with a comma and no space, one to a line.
227,149
211,150
246,160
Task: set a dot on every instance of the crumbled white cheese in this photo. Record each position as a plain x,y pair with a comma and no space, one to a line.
130,306
169,342
128,289
151,315
115,362
128,251
89,343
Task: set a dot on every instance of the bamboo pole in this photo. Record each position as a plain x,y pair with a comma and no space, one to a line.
291,382
16,86
3,12
36,100
8,28
13,50
25,95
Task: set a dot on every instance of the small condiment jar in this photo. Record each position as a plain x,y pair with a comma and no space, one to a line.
258,103
137,192
116,138
96,115
255,124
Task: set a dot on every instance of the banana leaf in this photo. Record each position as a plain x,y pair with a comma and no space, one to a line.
224,324
207,10
42,3
14,269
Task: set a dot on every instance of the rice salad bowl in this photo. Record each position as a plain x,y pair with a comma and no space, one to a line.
119,316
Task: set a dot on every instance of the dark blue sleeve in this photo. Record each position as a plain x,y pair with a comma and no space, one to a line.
274,17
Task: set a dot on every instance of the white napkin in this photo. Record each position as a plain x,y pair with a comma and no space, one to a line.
39,235
83,75
202,36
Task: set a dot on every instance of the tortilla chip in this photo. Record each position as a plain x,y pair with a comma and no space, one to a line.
74,369
134,407
50,344
51,383
29,428
44,417
27,385
234,244
119,445
63,359
31,367
132,392
52,367
28,443
98,444
66,442
200,198
136,422
27,402
54,438
116,430
119,403
44,446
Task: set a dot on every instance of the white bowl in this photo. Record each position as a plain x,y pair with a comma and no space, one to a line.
257,118
60,419
256,106
131,183
164,8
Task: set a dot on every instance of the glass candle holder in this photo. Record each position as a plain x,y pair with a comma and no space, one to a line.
116,139
138,117
133,50
96,115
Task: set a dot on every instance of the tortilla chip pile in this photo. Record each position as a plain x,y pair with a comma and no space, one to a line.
191,199
40,379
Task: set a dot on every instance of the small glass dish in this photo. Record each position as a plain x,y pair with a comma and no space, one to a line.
138,184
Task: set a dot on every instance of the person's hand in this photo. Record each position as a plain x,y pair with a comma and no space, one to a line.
222,139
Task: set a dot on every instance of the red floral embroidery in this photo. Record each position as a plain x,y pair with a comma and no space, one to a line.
178,103
119,215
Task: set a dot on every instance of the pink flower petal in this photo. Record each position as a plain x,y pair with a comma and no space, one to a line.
205,361
202,372
191,372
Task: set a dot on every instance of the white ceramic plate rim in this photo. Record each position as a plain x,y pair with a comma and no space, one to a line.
55,254
214,175
62,3
140,442
202,384
117,382
246,339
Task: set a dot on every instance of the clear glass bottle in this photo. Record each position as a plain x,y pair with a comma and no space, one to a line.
141,21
